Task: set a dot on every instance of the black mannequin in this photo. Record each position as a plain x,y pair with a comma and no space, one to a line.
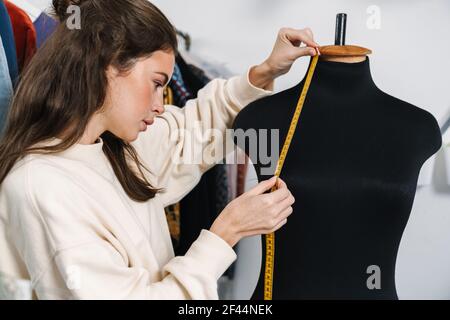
353,167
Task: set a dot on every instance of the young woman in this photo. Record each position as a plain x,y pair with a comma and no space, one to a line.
90,158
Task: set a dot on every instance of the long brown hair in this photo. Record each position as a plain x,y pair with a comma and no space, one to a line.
65,83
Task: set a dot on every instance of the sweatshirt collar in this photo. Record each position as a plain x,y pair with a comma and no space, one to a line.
91,153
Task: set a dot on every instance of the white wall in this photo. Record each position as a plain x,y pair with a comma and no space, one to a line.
410,61
410,51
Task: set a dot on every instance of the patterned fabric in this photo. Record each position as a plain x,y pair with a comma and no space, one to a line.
222,197
179,89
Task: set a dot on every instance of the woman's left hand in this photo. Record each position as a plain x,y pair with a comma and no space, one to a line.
286,51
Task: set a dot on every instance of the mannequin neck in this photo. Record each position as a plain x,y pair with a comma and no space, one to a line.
344,78
352,59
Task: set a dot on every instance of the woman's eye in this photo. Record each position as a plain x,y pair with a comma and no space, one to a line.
158,85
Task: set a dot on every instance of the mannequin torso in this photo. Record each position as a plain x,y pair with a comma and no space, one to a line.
352,166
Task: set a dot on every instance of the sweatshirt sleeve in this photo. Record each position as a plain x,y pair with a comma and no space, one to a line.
93,263
183,143
95,270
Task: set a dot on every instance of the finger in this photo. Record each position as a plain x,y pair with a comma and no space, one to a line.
310,34
262,186
279,225
294,35
284,204
281,183
277,195
268,229
285,213
304,51
259,231
308,31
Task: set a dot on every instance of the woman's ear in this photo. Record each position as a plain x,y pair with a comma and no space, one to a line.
112,72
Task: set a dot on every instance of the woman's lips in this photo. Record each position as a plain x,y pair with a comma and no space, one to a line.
146,123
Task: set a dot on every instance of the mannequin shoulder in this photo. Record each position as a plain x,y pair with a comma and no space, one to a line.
421,126
429,131
267,111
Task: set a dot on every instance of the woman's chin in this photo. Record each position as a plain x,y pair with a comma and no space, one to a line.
131,136
134,138
128,135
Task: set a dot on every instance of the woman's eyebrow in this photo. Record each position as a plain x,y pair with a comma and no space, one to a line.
166,77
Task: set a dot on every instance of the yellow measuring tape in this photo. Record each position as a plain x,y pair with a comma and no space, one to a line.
270,238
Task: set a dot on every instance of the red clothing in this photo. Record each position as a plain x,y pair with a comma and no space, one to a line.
24,34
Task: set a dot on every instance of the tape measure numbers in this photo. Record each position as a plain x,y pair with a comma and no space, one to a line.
270,238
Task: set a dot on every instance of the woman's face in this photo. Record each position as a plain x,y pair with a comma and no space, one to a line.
135,98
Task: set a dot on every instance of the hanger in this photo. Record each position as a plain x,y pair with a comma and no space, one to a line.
341,52
186,37
445,127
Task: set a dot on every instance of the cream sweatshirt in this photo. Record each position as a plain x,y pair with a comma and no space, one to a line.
68,226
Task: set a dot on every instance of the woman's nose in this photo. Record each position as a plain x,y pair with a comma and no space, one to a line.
159,108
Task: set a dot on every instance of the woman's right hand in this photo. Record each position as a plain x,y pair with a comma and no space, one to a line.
255,212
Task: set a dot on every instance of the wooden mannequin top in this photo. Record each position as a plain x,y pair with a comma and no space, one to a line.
346,54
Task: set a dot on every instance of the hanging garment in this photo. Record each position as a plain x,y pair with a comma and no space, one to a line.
232,174
203,204
178,87
204,70
24,34
33,8
172,211
242,173
6,32
6,89
220,171
210,67
221,195
44,26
